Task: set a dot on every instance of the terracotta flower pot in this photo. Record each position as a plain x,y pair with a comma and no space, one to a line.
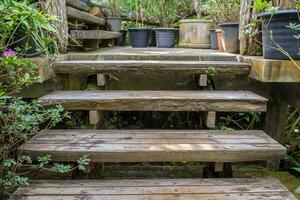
220,44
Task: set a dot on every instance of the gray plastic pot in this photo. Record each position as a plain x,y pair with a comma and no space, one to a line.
139,37
166,37
114,23
230,37
281,34
214,39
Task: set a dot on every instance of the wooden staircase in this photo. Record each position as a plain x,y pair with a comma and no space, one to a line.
213,146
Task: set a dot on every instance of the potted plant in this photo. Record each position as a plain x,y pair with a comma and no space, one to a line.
280,34
227,33
139,37
114,21
195,33
214,39
230,37
166,37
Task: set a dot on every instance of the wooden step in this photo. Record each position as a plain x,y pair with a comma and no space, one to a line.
109,66
156,189
158,54
155,145
222,101
94,34
83,17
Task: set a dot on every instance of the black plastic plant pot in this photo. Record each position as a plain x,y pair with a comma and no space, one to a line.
122,39
152,39
166,37
230,37
214,39
139,37
275,32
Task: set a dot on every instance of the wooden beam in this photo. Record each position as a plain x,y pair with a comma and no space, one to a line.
78,4
219,167
210,119
95,117
203,80
94,34
101,80
87,18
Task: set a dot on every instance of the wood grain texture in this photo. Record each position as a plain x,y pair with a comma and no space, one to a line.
225,101
78,4
154,145
153,189
268,70
84,17
58,9
93,34
107,66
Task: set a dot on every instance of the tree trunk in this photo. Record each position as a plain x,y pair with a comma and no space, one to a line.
197,5
58,9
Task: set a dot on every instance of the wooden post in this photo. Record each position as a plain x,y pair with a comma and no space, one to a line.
275,121
58,9
101,80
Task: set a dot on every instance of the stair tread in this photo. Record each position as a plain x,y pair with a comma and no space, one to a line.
155,145
152,53
226,101
94,34
104,66
155,189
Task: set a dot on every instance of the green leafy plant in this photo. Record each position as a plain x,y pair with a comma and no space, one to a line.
26,28
221,11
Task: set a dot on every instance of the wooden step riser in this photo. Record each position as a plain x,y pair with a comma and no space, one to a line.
188,156
99,67
164,189
159,105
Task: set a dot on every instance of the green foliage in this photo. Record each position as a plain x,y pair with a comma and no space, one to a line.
221,11
26,28
167,12
16,73
292,138
243,121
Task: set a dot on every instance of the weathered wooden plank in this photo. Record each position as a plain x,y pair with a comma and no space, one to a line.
78,4
73,13
268,70
225,101
107,66
154,146
164,189
94,34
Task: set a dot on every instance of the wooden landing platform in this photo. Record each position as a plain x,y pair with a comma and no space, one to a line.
221,101
155,189
155,145
162,54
